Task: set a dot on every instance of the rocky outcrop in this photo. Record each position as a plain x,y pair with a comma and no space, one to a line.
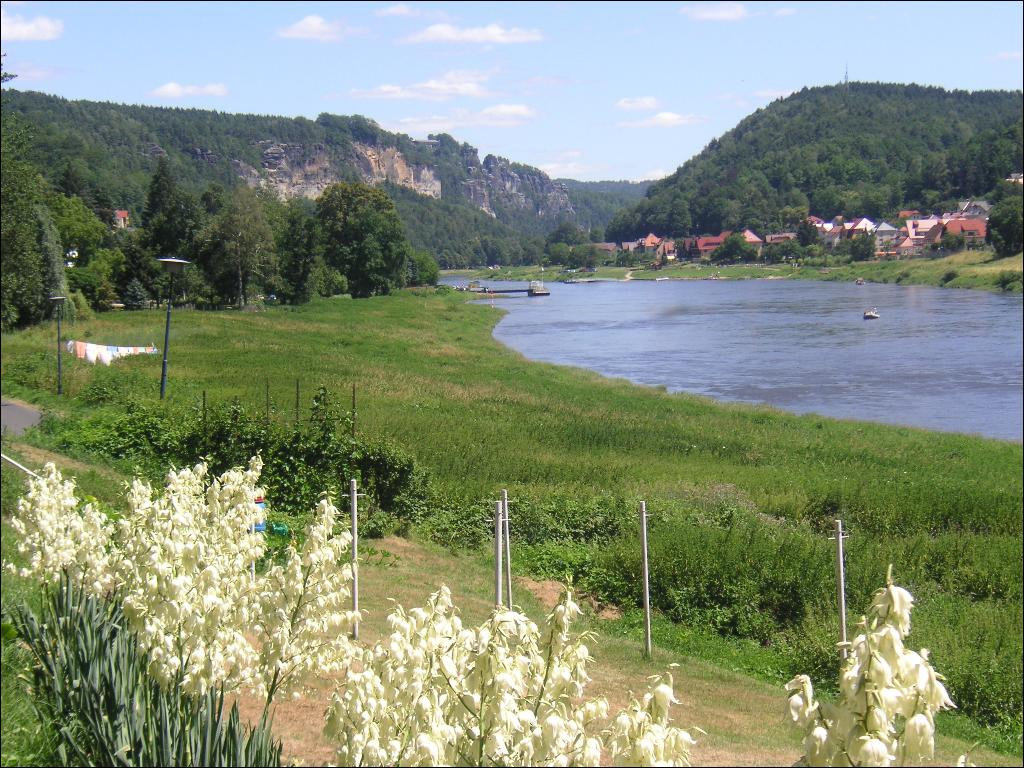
291,170
494,185
380,164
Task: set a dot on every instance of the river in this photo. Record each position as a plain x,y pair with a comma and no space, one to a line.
936,358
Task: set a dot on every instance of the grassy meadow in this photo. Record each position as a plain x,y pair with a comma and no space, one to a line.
745,494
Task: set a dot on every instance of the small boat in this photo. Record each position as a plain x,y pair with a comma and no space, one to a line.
859,281
537,288
871,314
659,279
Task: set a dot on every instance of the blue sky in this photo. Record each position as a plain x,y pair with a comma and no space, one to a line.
583,90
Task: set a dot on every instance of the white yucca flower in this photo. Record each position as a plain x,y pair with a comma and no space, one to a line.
58,534
888,695
506,692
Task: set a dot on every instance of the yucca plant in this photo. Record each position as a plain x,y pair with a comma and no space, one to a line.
91,682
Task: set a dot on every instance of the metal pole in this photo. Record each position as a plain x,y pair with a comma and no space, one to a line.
497,554
353,504
646,578
167,336
508,547
841,587
60,377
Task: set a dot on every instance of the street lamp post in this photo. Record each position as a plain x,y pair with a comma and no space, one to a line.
58,310
173,267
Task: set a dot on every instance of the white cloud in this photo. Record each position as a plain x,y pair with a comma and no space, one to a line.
492,33
665,120
18,28
1009,56
496,116
174,90
458,83
639,103
784,12
715,11
316,28
397,10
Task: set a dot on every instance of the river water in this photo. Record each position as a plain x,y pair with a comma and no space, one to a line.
936,358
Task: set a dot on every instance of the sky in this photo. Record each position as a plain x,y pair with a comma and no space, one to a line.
581,90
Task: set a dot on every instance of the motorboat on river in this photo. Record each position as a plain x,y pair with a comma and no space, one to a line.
871,314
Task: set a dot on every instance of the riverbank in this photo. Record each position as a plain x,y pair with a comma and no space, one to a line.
746,487
968,269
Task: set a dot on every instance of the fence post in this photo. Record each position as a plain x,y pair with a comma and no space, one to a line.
646,578
508,547
841,586
353,504
497,554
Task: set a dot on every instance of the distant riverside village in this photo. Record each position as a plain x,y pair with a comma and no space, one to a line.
965,227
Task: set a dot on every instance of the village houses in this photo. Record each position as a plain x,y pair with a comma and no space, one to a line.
915,237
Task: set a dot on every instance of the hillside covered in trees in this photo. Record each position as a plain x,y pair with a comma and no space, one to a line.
859,149
453,203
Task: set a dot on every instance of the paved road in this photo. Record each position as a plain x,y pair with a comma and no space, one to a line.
15,418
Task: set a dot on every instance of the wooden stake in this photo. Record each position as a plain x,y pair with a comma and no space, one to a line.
646,579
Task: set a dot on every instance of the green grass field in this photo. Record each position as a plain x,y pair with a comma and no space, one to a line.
479,417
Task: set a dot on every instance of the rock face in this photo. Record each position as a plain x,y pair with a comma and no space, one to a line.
380,164
291,170
495,186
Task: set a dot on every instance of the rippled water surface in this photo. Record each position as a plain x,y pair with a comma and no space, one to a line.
936,358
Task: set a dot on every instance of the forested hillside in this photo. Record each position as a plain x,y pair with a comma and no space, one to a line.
597,202
109,152
862,149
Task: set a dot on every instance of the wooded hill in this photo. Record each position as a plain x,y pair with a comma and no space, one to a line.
859,149
452,203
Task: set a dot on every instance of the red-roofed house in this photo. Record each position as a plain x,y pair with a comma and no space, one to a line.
751,239
707,245
649,244
908,215
121,220
972,230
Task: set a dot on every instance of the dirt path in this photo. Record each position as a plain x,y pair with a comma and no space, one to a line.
17,416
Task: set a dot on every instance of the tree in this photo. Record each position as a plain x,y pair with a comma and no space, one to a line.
79,227
862,248
135,295
1006,226
298,254
734,249
363,238
22,292
423,269
806,233
237,246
